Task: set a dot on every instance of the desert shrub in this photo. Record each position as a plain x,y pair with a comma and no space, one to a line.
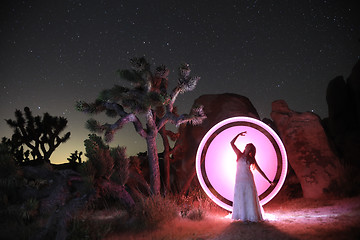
106,172
100,163
7,162
80,228
29,209
10,178
196,214
196,205
8,191
87,173
154,210
193,209
105,162
121,165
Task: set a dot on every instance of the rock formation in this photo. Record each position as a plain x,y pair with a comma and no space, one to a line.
308,149
354,89
217,107
343,123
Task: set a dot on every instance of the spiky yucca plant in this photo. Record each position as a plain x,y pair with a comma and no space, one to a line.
147,93
106,162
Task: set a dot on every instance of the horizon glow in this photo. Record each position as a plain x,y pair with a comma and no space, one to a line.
216,160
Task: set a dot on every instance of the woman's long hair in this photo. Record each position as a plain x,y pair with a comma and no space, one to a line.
250,151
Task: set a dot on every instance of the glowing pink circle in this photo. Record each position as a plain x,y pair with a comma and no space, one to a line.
216,160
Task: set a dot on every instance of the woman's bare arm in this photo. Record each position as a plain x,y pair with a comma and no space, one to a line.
261,172
236,150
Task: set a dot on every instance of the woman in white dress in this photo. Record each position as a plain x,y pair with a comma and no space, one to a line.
246,205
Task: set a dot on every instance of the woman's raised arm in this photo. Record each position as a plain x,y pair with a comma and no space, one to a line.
236,150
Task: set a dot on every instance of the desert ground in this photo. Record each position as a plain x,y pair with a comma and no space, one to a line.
293,219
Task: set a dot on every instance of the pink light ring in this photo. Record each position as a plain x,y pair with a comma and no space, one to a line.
255,122
284,162
198,165
198,162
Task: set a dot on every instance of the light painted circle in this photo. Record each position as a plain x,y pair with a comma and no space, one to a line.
216,160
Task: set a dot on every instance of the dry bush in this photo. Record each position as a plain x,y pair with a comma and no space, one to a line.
196,205
196,214
154,210
87,229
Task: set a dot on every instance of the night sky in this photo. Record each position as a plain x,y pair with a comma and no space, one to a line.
54,53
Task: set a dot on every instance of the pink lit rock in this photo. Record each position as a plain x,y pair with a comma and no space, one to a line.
309,153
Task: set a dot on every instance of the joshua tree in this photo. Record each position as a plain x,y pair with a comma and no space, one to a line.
40,135
146,96
75,156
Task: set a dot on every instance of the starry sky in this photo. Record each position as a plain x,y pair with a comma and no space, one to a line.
54,53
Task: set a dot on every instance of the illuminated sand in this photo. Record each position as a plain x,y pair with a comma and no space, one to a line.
294,219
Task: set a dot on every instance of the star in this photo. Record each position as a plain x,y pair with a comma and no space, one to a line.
264,50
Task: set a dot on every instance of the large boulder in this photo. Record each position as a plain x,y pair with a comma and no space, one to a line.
308,149
217,107
343,122
354,89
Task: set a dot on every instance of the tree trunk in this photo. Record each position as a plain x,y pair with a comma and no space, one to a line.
153,164
48,153
166,159
186,186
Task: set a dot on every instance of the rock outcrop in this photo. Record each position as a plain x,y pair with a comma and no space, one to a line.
354,89
308,149
343,122
217,107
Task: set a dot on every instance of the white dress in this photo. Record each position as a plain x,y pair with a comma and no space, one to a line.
246,205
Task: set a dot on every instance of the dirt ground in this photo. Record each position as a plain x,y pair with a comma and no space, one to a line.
294,219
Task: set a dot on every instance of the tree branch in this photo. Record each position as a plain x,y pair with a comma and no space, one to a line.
117,108
110,129
196,117
174,94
